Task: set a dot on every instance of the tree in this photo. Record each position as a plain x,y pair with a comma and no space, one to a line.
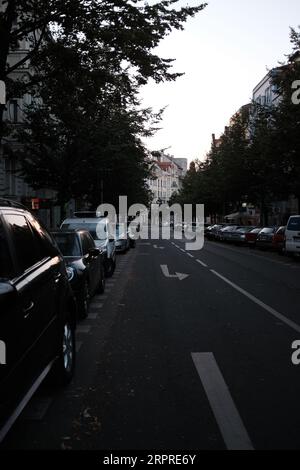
81,130
120,31
286,136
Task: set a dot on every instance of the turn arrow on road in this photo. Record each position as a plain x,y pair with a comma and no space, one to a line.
167,274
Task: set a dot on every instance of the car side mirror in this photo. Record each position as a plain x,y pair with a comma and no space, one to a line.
94,252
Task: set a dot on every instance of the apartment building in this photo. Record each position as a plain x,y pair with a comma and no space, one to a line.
167,174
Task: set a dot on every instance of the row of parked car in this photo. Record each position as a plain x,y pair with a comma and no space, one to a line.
284,239
46,282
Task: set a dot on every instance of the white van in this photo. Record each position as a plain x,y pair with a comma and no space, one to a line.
102,232
292,235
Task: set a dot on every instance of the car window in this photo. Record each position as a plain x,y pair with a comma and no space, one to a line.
294,224
27,249
87,243
96,229
43,239
6,266
68,244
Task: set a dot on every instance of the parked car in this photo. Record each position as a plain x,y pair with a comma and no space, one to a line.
37,312
239,236
227,234
292,235
211,234
85,265
279,239
265,237
251,237
102,232
122,238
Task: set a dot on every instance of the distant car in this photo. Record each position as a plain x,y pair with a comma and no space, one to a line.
239,235
228,233
196,227
37,312
292,235
122,238
278,241
85,266
265,237
211,233
251,236
102,232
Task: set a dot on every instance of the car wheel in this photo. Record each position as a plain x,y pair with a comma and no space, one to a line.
84,300
62,371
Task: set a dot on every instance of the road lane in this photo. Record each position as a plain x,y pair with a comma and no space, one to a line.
142,390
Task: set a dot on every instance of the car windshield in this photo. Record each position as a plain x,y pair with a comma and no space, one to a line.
96,229
267,230
294,224
256,230
68,244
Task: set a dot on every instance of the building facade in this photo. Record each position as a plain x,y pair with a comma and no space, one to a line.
12,185
167,174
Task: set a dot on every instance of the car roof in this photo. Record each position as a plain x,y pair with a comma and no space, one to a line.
69,232
87,220
8,203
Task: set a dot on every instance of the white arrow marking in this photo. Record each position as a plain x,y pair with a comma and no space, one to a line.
166,273
158,247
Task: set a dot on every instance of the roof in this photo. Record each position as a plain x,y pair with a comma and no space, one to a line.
164,165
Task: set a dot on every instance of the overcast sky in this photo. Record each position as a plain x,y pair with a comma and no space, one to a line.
225,51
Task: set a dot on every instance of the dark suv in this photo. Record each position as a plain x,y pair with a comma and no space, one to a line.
37,312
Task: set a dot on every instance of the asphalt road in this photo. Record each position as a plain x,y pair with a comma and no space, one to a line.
173,362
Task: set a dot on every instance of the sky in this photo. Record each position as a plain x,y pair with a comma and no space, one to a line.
224,52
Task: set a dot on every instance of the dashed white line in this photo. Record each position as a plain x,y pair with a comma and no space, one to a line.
191,256
202,264
254,299
226,414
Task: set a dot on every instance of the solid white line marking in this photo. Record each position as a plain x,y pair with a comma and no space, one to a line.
20,407
226,414
181,249
191,256
254,299
202,264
